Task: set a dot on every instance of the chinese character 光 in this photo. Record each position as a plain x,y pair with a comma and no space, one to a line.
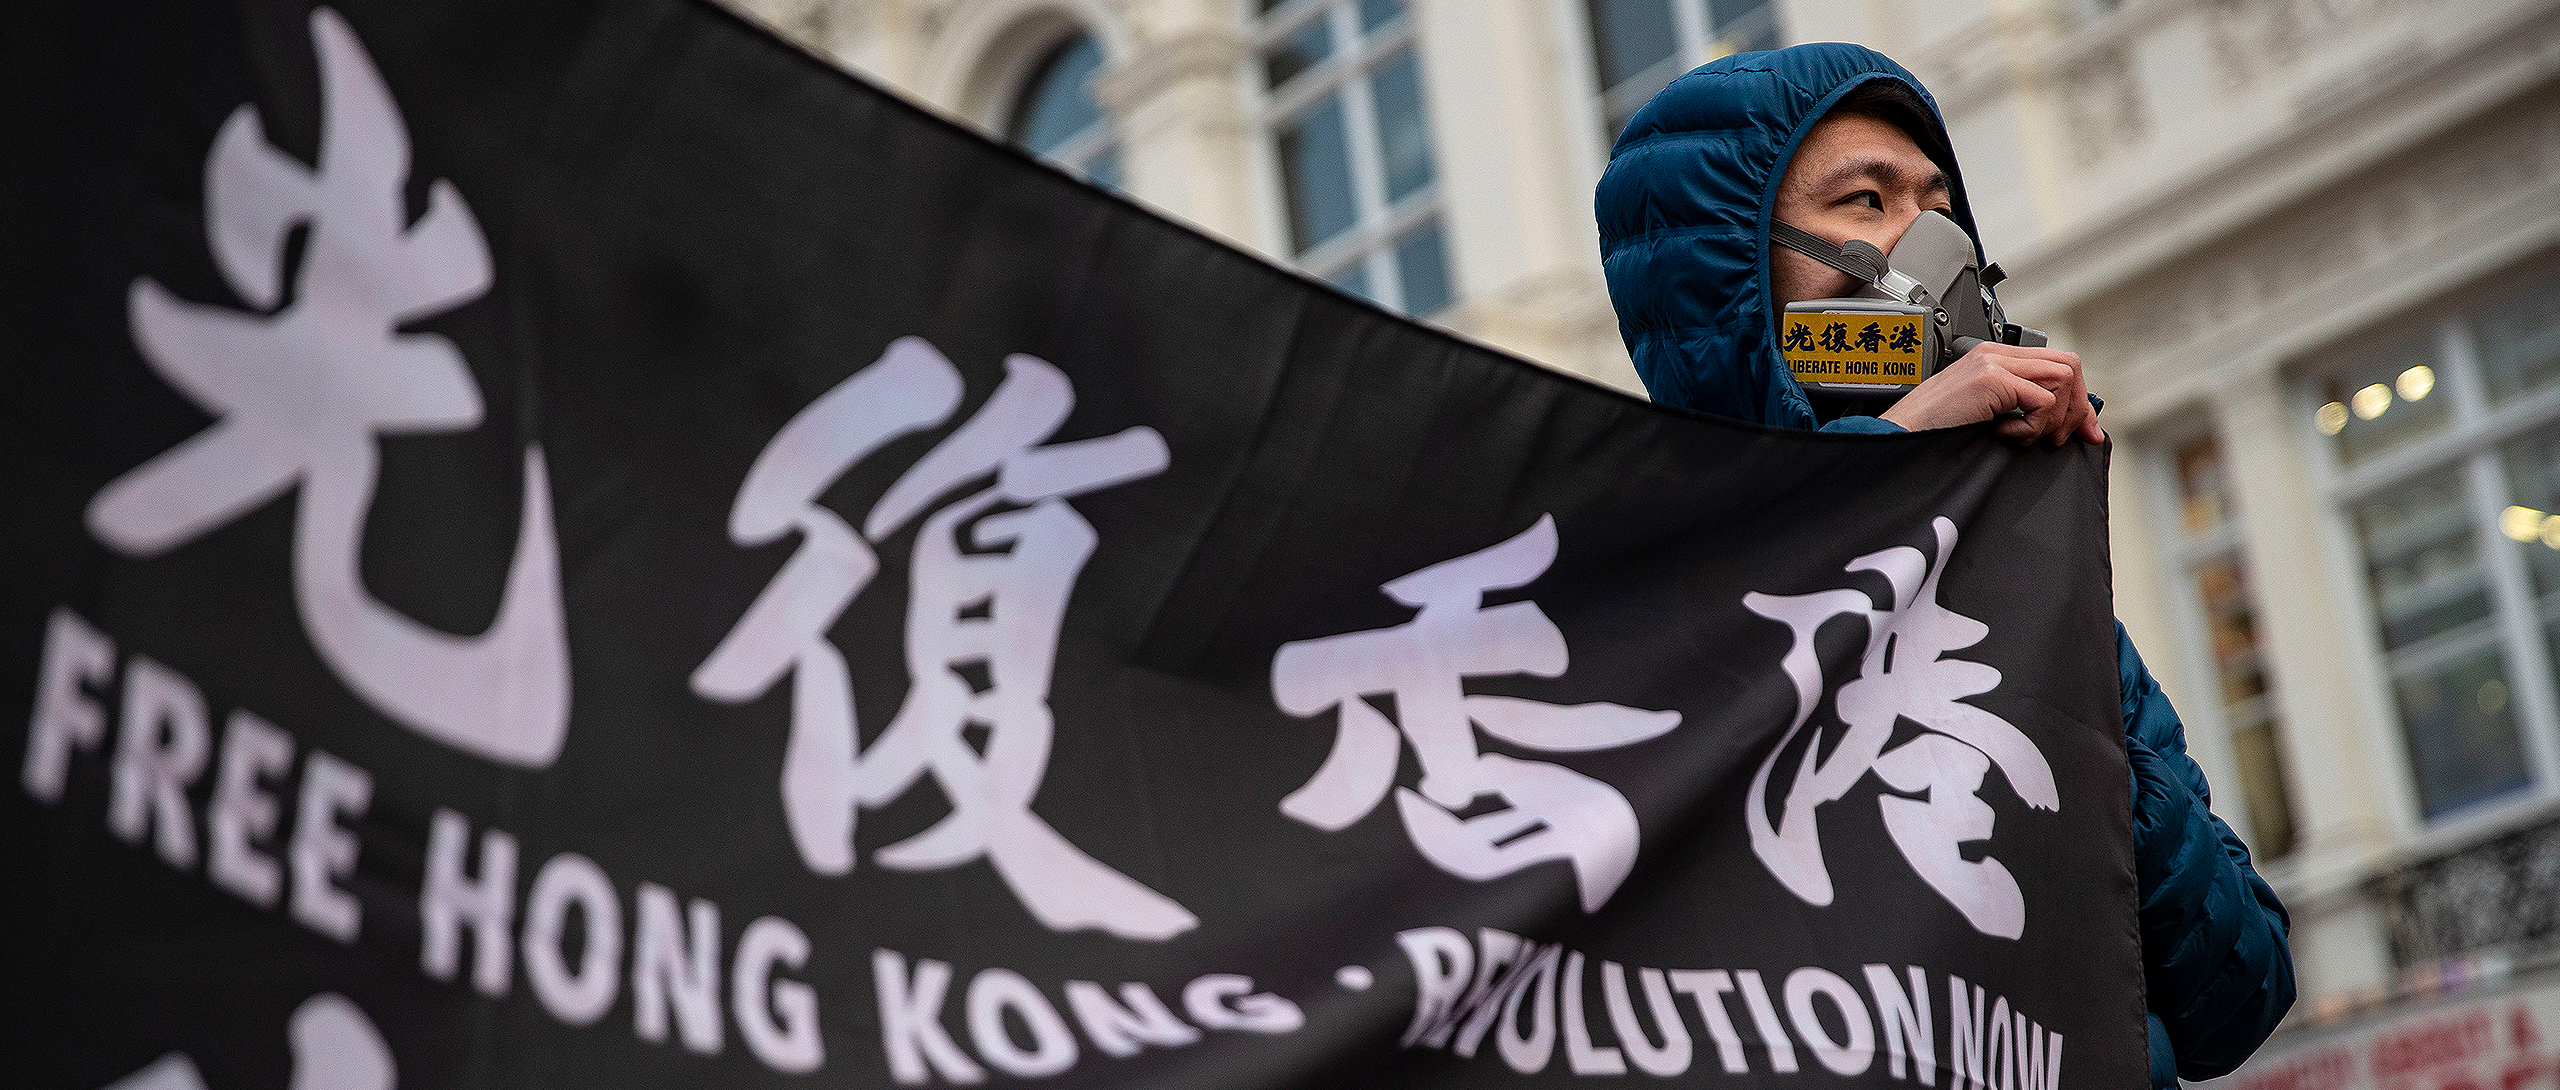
301,396
1903,674
989,582
1799,337
1547,812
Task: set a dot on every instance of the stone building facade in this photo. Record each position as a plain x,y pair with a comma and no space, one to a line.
2310,250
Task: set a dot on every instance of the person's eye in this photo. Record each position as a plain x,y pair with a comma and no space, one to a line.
1865,198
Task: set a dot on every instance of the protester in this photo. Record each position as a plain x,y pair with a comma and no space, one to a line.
1840,141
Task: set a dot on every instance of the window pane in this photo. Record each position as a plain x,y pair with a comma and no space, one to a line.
1378,13
1740,26
1422,262
2262,789
2389,401
2423,556
2551,629
2520,340
1104,170
2201,492
1315,162
1303,49
1402,127
1057,103
2460,722
2532,513
2224,586
1630,36
1619,114
1354,278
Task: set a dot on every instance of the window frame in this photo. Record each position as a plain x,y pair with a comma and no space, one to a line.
1378,224
2211,726
2469,441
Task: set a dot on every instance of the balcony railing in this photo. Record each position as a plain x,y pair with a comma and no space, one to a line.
2498,895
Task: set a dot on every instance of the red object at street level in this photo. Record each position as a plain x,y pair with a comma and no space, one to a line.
2502,1042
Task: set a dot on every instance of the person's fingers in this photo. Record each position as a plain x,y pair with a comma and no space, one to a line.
2024,427
2020,352
2073,423
2025,393
2055,355
2065,413
2045,387
2050,374
2042,385
2060,421
2078,398
2053,424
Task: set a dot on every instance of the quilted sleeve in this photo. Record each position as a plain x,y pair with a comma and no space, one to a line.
2216,960
1863,425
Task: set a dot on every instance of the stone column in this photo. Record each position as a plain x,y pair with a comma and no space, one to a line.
2345,770
2150,585
1519,147
1179,102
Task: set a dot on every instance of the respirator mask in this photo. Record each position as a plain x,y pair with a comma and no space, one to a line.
1922,307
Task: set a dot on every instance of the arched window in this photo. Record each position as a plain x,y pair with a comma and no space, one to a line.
1056,117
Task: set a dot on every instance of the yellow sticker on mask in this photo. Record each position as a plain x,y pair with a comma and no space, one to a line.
1867,349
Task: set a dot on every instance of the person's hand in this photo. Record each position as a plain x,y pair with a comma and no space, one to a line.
2044,383
2081,419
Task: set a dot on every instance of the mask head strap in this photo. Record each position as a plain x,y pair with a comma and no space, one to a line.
1858,258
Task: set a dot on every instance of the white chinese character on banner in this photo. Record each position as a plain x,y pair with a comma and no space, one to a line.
990,577
302,393
335,1047
1547,812
1903,674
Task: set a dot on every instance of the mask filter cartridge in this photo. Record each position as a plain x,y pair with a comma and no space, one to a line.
1922,307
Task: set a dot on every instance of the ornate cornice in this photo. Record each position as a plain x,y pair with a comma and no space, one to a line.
2413,100
2342,257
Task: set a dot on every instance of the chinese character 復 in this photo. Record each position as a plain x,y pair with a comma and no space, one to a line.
989,583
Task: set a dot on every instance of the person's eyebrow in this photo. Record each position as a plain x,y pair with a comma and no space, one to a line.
1881,172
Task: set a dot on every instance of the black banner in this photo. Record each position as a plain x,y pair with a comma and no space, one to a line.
575,545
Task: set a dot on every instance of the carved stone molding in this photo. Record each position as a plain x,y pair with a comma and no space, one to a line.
2348,130
2252,39
2102,105
1964,68
1977,62
2295,263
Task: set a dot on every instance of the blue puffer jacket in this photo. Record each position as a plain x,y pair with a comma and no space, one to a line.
1684,213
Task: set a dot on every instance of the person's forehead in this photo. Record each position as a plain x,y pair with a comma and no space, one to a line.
1849,146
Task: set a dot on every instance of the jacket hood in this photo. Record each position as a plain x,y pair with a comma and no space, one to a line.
1684,210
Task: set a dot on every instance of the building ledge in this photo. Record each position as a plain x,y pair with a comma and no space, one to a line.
2422,94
